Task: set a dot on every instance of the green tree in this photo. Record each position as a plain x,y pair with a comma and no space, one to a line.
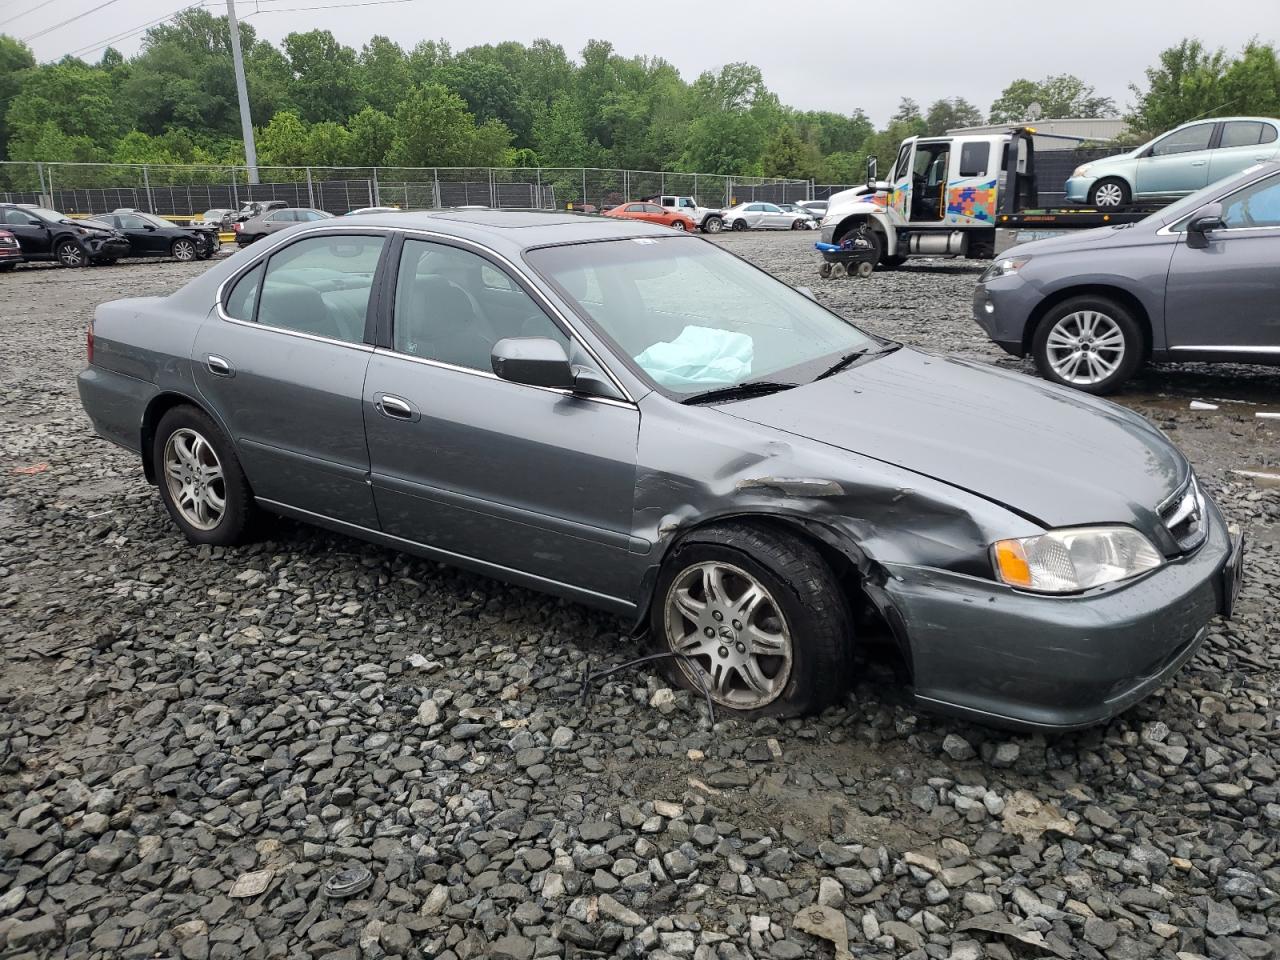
434,129
944,115
15,61
1189,81
559,136
75,99
786,155
324,83
1059,96
284,142
383,73
329,144
372,133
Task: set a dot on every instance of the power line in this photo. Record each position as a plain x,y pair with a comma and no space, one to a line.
336,6
78,16
132,31
19,16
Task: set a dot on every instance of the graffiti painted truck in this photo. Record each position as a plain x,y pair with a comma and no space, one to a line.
966,196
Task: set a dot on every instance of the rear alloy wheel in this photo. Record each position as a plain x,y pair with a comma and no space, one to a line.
200,479
712,225
183,250
678,225
70,254
1089,343
759,618
739,224
1109,194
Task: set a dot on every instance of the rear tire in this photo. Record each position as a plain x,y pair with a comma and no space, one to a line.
788,654
1088,343
1109,193
200,479
6,267
678,225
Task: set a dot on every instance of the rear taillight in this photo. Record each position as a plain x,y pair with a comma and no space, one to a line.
88,342
236,227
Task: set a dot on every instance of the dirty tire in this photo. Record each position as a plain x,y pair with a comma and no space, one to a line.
678,225
798,225
739,225
864,269
712,225
69,254
890,262
809,598
824,270
240,513
1122,319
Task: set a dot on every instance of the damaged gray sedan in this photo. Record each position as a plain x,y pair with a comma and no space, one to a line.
646,423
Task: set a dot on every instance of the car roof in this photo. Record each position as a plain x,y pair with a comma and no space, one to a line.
1191,123
513,229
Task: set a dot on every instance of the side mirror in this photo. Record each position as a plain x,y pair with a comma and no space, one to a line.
871,173
1203,222
149,226
535,361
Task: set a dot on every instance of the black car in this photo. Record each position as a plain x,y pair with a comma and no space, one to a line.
47,234
152,236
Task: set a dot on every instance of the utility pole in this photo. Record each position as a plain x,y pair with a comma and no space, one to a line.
246,121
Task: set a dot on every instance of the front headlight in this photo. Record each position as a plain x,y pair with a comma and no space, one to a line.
1003,268
1080,171
1074,559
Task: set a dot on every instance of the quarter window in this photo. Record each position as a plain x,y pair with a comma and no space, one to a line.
1257,205
635,208
321,286
450,308
1184,141
244,295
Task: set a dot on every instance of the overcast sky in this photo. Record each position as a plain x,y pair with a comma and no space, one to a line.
833,56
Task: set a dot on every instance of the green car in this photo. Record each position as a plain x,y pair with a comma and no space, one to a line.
1176,163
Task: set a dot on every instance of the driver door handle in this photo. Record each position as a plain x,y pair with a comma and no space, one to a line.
397,408
219,366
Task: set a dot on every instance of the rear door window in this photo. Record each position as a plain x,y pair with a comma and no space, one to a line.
321,286
1241,133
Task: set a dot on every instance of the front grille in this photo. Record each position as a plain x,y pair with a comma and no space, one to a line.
1183,516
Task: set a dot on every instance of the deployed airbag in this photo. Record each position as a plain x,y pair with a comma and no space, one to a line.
700,355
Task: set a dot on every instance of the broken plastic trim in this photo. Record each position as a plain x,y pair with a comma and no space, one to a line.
793,486
589,679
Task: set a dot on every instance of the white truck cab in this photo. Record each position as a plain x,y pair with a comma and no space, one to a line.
707,219
939,199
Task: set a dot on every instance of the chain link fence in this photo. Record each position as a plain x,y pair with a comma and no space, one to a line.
181,190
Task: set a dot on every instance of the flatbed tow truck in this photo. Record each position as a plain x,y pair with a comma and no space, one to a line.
951,197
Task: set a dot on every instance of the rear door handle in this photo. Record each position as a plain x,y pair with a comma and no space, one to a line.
219,366
394,407
1198,163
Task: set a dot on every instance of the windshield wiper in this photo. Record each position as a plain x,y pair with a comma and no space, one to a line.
739,391
849,358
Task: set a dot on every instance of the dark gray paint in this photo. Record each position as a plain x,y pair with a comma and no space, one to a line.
908,465
1217,302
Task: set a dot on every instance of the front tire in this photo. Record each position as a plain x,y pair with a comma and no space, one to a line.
200,479
760,617
739,225
1109,193
712,225
797,225
70,254
1088,343
183,250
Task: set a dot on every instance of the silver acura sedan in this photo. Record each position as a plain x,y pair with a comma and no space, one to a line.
644,422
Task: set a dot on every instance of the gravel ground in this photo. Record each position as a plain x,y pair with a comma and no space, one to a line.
194,741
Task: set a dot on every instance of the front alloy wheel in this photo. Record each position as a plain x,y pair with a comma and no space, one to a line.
732,633
70,254
184,250
1088,343
757,618
1109,195
713,225
678,225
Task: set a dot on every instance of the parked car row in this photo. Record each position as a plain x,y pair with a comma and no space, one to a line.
42,234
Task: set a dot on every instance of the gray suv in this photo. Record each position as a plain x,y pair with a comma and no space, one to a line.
1198,280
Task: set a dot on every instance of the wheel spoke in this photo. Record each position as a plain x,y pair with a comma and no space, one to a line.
713,584
1059,338
215,500
762,643
720,677
753,677
747,603
692,644
691,608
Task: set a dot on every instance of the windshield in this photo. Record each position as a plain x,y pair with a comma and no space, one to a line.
46,214
691,317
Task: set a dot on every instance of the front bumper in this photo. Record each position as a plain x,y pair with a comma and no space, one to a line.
111,248
1000,656
999,309
828,231
1077,189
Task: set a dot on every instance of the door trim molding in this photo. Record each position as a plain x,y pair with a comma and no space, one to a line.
497,571
1219,348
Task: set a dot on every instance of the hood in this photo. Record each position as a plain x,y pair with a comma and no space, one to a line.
1120,235
1054,455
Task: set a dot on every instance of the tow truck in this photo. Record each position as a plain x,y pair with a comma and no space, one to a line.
970,196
